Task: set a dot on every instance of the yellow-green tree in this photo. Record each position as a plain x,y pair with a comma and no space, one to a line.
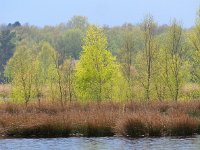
21,70
126,58
176,68
97,72
43,63
53,75
145,58
48,70
67,79
194,38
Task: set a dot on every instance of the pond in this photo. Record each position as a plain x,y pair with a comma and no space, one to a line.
104,143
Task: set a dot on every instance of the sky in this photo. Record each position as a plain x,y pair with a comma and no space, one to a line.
101,12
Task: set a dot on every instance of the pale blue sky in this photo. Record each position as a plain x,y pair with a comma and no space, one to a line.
110,12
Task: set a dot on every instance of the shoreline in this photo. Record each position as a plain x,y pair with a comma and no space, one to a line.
114,136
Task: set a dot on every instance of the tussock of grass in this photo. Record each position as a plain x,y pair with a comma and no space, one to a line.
131,126
183,126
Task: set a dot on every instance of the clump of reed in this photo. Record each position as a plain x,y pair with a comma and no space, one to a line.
182,125
131,126
134,119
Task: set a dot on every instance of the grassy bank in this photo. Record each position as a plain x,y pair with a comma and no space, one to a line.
134,119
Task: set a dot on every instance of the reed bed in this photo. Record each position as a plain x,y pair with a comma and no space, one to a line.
132,119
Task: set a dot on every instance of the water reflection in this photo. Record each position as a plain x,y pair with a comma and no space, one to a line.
105,143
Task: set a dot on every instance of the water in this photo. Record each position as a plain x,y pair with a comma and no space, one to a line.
105,143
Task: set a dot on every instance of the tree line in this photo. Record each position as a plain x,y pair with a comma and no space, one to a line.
80,61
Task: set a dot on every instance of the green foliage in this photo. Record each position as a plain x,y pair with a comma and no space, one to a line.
67,79
44,61
196,68
194,38
176,66
78,22
55,76
70,43
97,72
126,58
153,62
46,58
21,70
145,59
7,46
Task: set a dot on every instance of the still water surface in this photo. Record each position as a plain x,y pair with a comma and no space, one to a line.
105,143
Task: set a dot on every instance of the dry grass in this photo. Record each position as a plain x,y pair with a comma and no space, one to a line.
5,90
133,119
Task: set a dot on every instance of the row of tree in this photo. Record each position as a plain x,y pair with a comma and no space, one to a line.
66,38
120,63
